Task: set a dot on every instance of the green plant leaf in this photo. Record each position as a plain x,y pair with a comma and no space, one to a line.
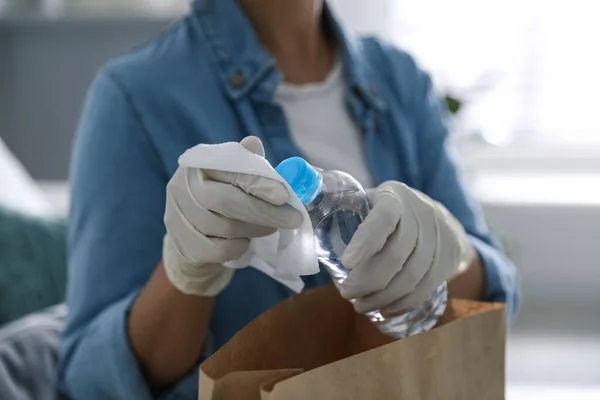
454,105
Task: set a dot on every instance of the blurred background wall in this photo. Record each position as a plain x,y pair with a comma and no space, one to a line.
527,135
47,65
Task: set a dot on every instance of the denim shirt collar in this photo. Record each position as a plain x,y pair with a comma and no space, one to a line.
244,63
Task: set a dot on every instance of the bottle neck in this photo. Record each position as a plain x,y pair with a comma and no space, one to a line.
311,193
302,177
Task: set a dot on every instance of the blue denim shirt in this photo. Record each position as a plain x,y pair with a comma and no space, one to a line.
207,79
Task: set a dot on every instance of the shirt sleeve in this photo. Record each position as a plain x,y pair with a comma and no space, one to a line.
115,241
439,178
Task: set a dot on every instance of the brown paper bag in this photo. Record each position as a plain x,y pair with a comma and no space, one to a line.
314,346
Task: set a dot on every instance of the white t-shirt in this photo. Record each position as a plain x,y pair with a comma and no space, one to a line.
321,126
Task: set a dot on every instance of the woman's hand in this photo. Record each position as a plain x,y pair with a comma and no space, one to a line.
210,218
405,249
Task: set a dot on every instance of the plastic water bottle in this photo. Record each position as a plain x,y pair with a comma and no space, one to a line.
337,204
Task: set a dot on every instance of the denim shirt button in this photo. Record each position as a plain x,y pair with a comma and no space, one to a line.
237,80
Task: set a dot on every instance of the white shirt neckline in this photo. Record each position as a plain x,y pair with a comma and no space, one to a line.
291,91
322,127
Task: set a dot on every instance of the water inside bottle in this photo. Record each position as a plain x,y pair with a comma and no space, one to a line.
337,205
336,214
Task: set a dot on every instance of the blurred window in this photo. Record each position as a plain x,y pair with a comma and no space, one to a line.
529,69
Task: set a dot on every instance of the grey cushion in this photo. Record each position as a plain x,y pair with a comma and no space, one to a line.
29,350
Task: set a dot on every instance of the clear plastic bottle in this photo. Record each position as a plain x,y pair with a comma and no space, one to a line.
337,204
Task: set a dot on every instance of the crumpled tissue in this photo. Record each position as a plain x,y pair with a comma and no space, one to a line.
285,255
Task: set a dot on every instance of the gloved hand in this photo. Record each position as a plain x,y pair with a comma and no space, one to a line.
405,249
210,218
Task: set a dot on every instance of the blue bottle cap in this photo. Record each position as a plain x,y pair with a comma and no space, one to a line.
304,180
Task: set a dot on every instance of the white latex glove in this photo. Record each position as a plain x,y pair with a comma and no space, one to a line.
210,218
405,249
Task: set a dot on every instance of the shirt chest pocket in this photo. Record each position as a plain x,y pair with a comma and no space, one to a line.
391,149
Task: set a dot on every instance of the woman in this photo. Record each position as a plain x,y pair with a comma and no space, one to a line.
145,312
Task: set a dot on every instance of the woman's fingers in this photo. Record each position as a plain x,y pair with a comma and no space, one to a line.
374,232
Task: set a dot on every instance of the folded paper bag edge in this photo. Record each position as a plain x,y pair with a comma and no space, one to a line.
267,387
206,386
472,308
463,308
493,314
308,380
241,385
